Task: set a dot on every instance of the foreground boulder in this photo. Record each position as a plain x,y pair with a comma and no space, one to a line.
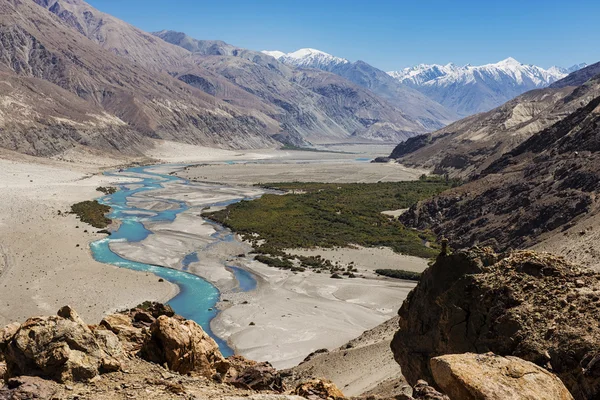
184,347
487,376
63,349
537,307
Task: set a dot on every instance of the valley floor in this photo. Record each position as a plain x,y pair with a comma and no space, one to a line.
46,262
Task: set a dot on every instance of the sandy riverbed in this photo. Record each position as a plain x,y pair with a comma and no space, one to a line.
46,257
293,314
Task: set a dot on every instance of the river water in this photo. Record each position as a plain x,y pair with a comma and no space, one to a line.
197,298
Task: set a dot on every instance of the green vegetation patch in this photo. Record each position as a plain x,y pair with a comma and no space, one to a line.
107,189
92,212
332,215
399,274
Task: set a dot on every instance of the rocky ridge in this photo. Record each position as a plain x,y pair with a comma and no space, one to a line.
534,306
146,352
64,90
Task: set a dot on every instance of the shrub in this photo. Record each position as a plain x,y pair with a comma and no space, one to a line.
399,274
92,212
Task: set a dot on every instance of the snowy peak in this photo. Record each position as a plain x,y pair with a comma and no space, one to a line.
565,71
308,58
426,74
471,89
274,53
510,62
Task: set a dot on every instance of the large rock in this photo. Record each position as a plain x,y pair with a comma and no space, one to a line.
184,347
487,376
534,306
6,335
248,374
58,348
29,387
318,389
131,337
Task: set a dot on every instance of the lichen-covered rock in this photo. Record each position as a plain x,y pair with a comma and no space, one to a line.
121,325
318,389
423,391
58,348
487,376
183,346
2,371
29,387
248,374
534,306
6,334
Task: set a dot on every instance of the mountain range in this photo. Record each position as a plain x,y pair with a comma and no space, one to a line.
462,90
472,89
467,147
75,76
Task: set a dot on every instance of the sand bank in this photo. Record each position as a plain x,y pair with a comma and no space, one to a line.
46,256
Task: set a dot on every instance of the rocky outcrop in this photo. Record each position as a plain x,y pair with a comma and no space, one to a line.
491,377
534,306
69,355
248,374
61,348
318,389
183,347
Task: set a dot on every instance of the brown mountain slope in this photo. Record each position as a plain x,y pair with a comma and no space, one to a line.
536,191
470,145
36,44
313,105
259,84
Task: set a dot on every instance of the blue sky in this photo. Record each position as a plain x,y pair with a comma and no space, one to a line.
385,33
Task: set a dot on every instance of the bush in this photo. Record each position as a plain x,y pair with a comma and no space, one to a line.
92,212
107,189
399,274
332,215
275,262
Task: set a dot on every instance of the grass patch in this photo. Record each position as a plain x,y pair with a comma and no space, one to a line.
399,274
332,215
92,212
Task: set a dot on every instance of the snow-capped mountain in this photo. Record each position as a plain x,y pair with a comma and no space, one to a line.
428,113
560,70
308,58
472,89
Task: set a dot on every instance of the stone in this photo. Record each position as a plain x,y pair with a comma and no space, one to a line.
183,346
67,312
488,376
131,337
2,371
247,374
423,391
318,389
6,334
57,348
29,387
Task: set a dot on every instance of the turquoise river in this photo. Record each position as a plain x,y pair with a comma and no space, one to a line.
197,298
